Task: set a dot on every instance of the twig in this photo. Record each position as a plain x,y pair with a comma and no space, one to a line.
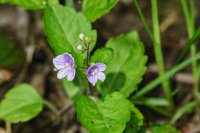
51,107
8,127
65,109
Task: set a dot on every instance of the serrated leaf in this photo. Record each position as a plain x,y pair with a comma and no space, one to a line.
95,9
108,115
20,104
165,128
103,55
135,125
62,26
31,4
10,55
127,67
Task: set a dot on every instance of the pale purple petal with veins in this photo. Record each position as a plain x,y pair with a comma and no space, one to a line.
59,62
69,59
62,73
95,72
101,76
65,64
101,66
92,79
71,74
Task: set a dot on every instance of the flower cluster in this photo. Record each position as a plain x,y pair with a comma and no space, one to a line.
66,65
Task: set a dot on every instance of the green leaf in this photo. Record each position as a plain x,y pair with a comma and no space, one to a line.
10,55
20,104
165,128
103,55
31,4
62,26
135,125
72,88
108,115
96,9
127,67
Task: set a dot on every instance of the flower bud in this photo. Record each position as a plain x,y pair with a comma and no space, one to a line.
82,36
88,39
79,47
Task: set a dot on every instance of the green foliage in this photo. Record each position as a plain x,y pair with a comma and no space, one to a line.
165,128
127,67
62,26
152,85
20,104
151,101
103,55
31,4
10,54
108,115
135,125
96,9
71,88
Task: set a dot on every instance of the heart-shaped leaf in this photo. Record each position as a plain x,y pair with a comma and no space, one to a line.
20,104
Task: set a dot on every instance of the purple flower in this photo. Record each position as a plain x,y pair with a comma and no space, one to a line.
65,64
95,72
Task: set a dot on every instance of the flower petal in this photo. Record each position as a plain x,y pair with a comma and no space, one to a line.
100,66
71,74
69,59
62,73
59,62
101,76
92,79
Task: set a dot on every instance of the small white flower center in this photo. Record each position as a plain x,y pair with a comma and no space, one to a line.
68,65
94,71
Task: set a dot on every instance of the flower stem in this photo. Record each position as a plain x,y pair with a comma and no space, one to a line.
159,55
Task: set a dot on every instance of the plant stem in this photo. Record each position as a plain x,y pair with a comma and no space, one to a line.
159,55
88,55
190,22
144,21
